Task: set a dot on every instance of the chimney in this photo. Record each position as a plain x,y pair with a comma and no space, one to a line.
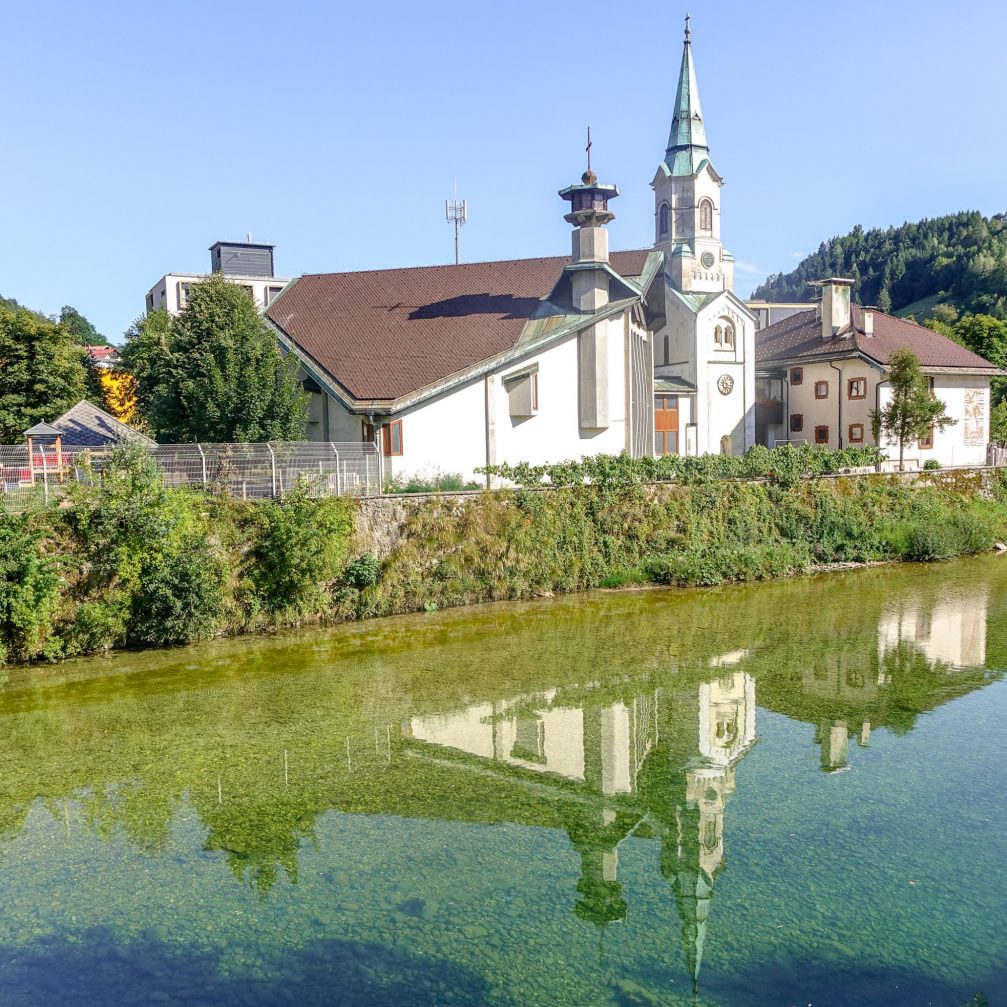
868,322
835,306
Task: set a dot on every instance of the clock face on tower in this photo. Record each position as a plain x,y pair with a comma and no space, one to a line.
707,260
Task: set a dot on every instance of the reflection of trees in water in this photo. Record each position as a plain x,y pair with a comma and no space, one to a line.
130,753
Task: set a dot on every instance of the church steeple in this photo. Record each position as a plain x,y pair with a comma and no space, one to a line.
687,146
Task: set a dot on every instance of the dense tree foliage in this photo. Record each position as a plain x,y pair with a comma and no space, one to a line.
42,371
79,327
959,261
214,372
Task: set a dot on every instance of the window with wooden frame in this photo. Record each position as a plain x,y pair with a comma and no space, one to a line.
796,422
856,388
391,434
926,442
797,375
367,432
856,433
821,435
821,389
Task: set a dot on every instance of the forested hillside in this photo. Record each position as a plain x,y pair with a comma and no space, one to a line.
959,261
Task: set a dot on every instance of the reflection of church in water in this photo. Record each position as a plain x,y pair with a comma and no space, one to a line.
658,765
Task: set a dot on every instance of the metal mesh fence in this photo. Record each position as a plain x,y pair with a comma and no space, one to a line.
247,471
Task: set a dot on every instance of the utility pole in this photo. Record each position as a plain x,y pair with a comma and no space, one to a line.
456,213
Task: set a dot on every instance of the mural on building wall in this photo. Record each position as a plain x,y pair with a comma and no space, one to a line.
975,417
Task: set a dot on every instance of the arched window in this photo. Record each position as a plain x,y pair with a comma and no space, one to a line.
729,335
718,335
662,220
706,216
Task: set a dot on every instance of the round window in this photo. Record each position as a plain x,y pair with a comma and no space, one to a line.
725,384
707,260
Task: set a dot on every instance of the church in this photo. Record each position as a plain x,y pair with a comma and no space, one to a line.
452,368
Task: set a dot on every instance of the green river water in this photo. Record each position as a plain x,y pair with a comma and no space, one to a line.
790,793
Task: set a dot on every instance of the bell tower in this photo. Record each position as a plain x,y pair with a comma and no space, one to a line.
687,194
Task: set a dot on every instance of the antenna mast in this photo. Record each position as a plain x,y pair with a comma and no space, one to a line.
456,213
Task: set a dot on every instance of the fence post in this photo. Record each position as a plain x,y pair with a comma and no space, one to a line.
45,479
202,459
367,472
336,453
272,463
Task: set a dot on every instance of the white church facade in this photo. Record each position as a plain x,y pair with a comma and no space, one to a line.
450,369
453,368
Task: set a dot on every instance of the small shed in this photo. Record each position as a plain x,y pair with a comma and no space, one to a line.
86,426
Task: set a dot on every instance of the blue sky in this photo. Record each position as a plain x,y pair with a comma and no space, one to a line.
138,134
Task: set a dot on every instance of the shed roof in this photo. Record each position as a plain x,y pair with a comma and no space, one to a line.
85,425
799,338
384,333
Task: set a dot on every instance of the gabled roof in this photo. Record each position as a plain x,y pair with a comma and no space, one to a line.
382,334
43,430
85,425
799,338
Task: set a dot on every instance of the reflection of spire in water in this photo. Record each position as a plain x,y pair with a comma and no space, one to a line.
664,757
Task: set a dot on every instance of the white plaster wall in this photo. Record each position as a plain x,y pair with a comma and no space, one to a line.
719,415
165,291
554,434
949,446
444,435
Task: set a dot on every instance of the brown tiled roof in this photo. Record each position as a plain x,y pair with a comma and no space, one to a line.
799,337
384,333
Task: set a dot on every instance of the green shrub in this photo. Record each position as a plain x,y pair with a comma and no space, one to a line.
931,464
29,592
362,572
180,596
302,545
444,482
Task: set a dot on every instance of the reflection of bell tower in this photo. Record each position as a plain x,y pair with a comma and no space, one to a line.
685,784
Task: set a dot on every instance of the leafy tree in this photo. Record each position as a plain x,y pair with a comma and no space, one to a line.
998,423
42,371
80,328
214,373
912,411
953,264
986,336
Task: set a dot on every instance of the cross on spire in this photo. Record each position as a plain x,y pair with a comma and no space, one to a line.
588,148
688,32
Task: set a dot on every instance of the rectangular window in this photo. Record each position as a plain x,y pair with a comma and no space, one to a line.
271,294
797,375
821,389
392,436
796,422
856,433
522,394
821,435
927,440
856,388
367,432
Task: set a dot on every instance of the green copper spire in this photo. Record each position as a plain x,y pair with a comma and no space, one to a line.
687,146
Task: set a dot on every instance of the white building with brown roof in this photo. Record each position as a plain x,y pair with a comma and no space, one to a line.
821,372
451,368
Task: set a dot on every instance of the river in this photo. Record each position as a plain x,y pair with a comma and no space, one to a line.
788,793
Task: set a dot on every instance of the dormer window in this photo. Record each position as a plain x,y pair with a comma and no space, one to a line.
706,216
662,220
